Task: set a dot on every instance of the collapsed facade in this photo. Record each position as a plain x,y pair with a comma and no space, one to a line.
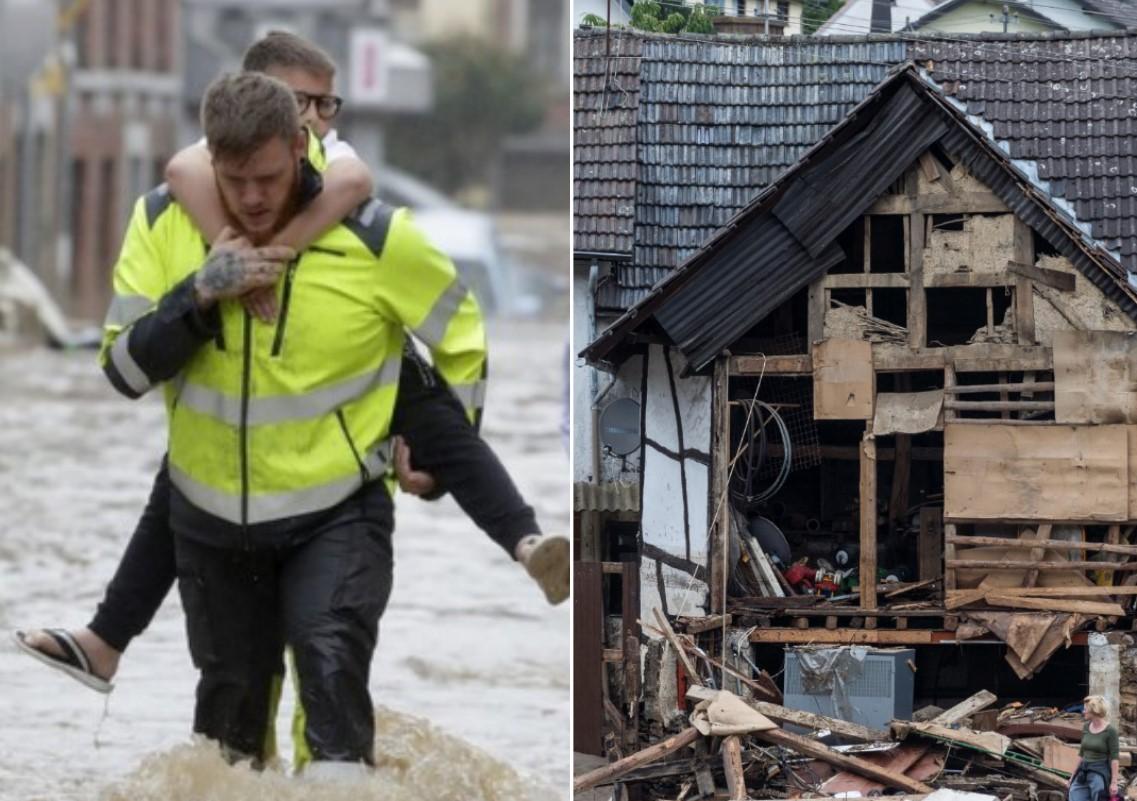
873,300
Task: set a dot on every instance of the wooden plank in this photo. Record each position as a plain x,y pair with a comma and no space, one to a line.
901,474
917,300
1009,542
697,625
1032,386
846,636
901,759
1055,605
865,281
968,280
1055,472
797,717
958,598
999,406
1036,554
1059,756
771,365
718,511
732,767
1023,250
965,708
609,773
1063,282
630,610
843,380
930,543
988,742
1095,376
680,651
1112,541
1011,564
1063,592
949,555
990,312
940,203
868,522
818,302
889,357
817,750
588,639
991,357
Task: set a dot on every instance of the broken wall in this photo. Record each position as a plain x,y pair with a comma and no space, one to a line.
1084,309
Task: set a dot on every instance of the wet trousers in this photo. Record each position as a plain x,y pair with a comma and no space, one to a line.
323,596
442,442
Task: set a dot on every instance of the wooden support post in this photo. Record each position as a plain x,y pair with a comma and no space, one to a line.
719,512
680,651
1043,533
631,655
868,522
917,301
949,555
609,773
929,546
1112,538
732,766
949,386
1004,397
818,305
1024,287
990,312
901,470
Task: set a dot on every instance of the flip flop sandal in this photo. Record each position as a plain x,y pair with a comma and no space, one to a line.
74,661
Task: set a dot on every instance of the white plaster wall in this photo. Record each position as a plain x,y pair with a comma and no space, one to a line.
666,507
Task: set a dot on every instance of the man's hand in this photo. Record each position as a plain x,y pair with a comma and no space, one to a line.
261,303
235,268
416,482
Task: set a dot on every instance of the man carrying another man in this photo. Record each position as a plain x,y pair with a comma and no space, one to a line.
278,433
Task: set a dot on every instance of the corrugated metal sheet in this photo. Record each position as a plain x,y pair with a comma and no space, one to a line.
620,496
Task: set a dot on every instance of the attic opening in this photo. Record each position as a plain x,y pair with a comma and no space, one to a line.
887,237
959,315
782,332
852,244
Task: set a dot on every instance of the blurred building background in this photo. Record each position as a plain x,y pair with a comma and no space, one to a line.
460,108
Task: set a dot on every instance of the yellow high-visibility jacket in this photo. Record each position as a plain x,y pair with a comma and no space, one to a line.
273,421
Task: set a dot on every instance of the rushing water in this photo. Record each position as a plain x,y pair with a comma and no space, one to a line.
471,675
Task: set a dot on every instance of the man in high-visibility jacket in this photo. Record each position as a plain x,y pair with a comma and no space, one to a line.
278,433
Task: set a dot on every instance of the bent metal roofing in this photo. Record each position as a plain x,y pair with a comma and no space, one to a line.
786,236
691,129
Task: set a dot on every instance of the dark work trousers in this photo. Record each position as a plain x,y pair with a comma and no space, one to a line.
442,442
323,595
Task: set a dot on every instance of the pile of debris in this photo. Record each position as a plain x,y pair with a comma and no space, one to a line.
756,747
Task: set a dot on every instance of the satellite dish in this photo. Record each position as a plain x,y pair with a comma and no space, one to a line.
620,426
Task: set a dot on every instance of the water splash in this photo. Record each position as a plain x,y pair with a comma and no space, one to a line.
414,760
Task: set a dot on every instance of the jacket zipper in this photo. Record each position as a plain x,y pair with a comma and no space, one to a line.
244,431
285,302
363,471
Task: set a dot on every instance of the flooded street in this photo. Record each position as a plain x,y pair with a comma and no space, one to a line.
471,675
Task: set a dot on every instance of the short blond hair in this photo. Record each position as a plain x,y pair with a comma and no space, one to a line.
244,111
1096,706
287,50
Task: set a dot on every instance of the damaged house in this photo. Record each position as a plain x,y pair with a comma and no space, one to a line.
860,369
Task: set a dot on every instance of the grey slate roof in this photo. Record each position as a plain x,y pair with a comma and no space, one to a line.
604,147
717,121
1123,12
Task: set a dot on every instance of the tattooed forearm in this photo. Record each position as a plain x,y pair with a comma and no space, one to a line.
223,271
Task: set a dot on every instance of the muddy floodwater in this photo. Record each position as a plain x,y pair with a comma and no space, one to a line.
471,676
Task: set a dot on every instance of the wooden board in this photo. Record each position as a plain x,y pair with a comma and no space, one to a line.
987,741
1095,377
1059,756
843,380
587,658
965,708
1058,472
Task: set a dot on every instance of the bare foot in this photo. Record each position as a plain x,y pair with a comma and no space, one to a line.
104,659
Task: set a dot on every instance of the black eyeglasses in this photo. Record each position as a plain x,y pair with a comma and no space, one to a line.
327,106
